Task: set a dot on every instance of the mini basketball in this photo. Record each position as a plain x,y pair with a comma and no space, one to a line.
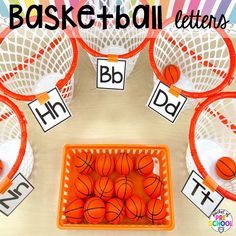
171,74
1,167
144,164
84,186
156,210
74,211
94,210
104,164
135,208
226,168
104,188
124,164
124,187
115,211
84,162
152,186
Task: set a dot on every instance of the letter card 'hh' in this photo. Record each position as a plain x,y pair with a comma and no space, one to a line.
50,110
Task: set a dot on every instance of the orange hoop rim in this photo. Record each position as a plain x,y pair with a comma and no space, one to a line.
227,81
22,121
94,53
200,108
61,83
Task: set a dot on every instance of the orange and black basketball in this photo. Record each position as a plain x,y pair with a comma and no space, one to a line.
115,211
104,164
124,164
135,208
156,210
171,74
104,188
74,211
84,186
1,167
84,161
94,210
124,187
226,168
152,186
144,164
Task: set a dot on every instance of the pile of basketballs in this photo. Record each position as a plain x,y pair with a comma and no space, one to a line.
109,200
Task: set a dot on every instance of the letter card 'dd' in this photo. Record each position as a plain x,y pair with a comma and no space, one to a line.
165,103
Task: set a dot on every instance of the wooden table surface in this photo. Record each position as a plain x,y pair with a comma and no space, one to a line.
101,117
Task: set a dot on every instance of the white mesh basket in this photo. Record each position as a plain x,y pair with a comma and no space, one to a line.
124,43
15,150
212,136
33,61
205,58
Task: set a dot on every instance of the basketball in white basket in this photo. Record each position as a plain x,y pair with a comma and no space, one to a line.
208,152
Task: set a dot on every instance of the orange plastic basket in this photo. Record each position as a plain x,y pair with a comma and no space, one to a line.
69,173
